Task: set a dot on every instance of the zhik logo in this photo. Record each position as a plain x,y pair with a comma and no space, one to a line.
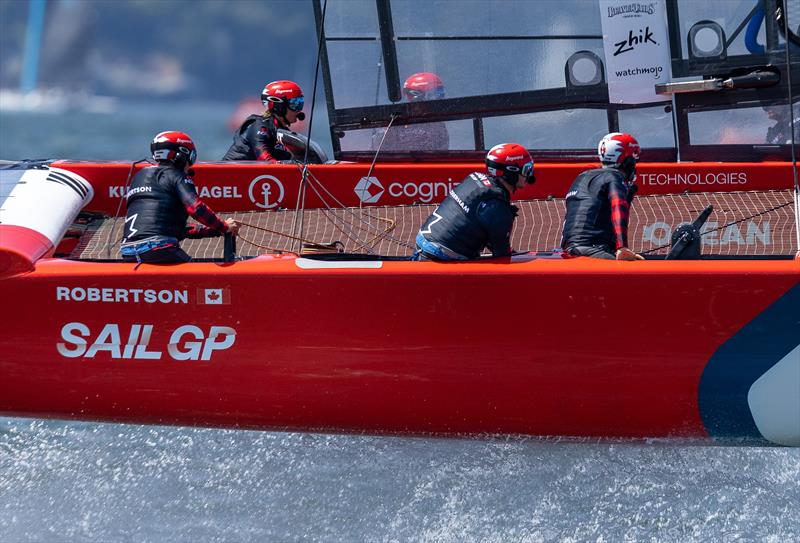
641,37
369,190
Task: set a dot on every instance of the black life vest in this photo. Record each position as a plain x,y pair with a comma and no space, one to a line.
455,225
154,206
588,218
257,135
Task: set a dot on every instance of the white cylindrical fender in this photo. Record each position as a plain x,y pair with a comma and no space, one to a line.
36,208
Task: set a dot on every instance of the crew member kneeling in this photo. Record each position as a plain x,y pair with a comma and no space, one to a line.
160,200
598,203
478,213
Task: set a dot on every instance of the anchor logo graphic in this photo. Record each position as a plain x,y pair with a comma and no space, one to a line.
266,191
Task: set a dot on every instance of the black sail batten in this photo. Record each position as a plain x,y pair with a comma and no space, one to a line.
74,184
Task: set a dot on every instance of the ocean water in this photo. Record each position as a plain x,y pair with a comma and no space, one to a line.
106,482
80,481
126,133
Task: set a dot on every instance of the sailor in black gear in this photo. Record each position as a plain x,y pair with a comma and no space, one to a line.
413,137
478,213
161,199
598,203
257,138
781,132
431,136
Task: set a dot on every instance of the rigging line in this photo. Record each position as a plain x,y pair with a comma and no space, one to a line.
344,228
274,232
356,217
316,78
791,119
376,239
313,179
365,227
392,117
267,247
321,185
339,224
338,202
342,206
300,192
275,250
297,223
342,224
304,175
368,245
358,222
741,26
119,206
378,76
724,226
271,248
349,233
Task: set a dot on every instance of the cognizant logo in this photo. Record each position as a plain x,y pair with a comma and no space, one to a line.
424,192
369,190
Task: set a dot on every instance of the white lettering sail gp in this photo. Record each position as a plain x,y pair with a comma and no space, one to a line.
122,295
187,342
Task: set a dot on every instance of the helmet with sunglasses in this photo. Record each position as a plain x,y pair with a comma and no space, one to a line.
279,96
509,161
175,147
621,151
423,86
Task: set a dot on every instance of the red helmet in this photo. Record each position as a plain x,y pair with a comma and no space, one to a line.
509,161
280,95
175,147
423,86
616,148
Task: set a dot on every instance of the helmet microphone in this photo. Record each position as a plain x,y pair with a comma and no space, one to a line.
510,162
279,96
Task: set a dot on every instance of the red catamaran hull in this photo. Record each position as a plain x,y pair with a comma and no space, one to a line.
540,347
256,186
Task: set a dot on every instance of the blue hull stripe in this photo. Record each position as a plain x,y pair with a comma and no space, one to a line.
742,360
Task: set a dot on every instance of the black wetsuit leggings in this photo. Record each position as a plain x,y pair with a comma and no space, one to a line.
170,255
594,251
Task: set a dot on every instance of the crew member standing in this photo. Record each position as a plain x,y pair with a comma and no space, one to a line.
598,203
161,199
478,213
257,138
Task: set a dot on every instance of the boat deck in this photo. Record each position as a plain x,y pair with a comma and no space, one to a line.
756,223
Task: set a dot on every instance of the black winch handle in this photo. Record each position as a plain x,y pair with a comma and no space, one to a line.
754,80
687,235
229,250
702,217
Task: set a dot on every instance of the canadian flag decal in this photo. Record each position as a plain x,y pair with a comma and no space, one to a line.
214,296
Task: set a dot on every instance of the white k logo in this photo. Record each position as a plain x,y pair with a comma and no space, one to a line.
132,219
437,219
